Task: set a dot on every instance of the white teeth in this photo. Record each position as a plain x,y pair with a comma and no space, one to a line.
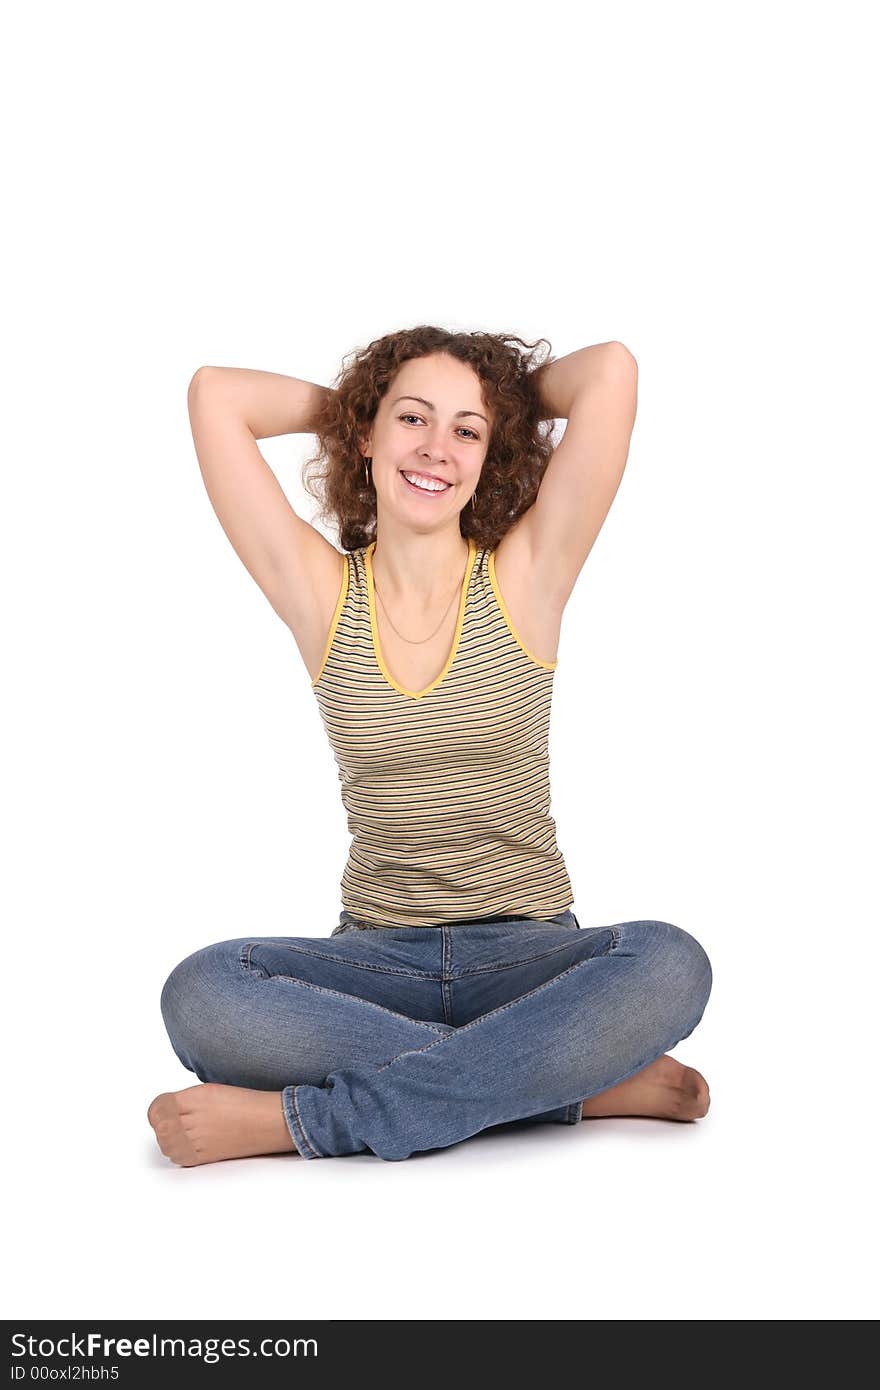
425,483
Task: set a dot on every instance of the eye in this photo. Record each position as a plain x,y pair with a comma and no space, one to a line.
467,430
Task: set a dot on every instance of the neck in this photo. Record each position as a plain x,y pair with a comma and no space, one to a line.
418,568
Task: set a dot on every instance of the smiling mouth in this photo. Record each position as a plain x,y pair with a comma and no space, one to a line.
428,491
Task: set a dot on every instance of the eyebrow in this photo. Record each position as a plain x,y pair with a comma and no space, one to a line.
421,399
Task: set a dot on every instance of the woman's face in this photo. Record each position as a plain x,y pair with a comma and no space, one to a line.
432,420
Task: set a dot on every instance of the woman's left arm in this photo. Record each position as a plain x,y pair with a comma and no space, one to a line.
596,391
560,382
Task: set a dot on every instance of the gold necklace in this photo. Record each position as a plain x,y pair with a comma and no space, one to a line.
417,642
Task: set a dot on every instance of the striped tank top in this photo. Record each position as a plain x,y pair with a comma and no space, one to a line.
447,788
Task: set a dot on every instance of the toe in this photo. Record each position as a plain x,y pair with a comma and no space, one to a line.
699,1090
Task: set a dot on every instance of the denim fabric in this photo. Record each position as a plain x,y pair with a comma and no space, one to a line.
395,1040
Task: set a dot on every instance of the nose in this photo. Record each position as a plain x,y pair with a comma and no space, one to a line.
432,450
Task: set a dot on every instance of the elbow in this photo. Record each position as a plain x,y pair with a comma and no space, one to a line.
623,351
199,377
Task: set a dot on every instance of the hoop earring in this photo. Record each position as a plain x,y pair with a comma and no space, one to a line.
473,508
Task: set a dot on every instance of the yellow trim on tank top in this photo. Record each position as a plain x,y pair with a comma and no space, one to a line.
547,665
343,590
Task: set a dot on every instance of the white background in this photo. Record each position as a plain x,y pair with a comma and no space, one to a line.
271,186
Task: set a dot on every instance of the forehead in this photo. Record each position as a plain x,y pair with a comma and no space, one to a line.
443,380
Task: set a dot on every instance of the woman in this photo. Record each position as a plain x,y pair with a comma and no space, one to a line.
458,990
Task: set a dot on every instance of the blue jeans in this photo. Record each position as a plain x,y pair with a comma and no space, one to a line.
393,1040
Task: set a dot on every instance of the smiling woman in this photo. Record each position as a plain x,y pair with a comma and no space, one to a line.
493,439
458,990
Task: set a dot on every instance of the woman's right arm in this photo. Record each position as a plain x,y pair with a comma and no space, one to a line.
230,408
269,403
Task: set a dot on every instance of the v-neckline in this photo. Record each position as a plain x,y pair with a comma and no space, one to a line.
374,627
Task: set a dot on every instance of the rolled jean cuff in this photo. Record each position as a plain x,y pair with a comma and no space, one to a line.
563,1114
304,1146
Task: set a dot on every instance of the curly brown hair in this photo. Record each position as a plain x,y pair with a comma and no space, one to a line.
519,445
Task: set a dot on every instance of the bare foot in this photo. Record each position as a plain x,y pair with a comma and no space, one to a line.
208,1122
663,1090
